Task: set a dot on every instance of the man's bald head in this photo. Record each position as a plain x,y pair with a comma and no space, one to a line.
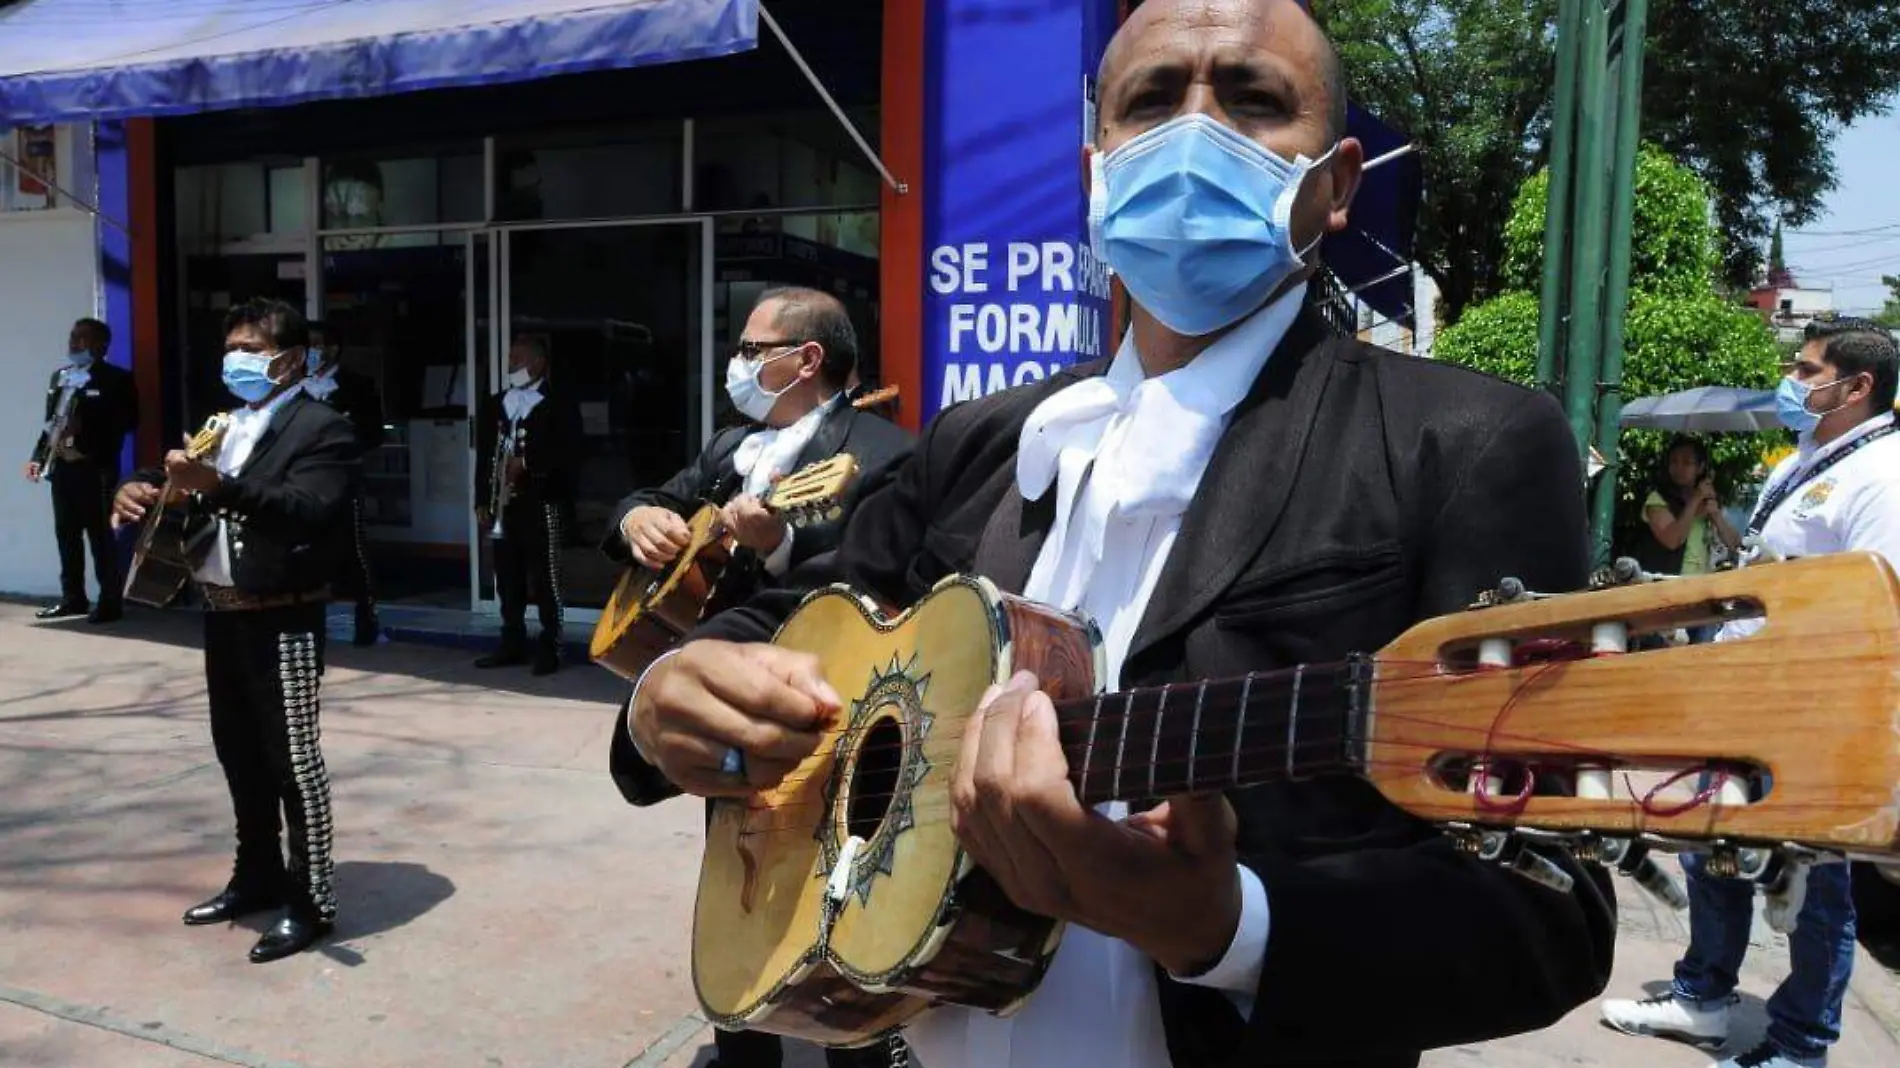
1286,23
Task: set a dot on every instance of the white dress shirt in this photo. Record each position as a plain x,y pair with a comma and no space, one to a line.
240,440
1126,454
771,452
1854,506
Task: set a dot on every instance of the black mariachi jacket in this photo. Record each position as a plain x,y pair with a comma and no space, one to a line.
284,511
873,441
106,410
548,442
1353,493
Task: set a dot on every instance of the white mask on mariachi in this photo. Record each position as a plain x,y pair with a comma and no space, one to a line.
742,386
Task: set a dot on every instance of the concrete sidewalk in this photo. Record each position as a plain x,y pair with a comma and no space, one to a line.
502,908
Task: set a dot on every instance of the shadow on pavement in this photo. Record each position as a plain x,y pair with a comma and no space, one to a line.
375,896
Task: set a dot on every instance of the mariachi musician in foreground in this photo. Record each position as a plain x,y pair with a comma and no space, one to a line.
270,501
790,378
1236,490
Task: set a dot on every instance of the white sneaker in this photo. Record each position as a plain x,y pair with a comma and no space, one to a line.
1668,1016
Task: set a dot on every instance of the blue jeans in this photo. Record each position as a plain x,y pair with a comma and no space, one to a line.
1805,1012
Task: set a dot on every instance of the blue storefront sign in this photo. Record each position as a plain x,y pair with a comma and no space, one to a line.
1011,291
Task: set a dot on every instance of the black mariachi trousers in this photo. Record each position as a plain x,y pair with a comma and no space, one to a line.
353,577
528,564
82,495
262,669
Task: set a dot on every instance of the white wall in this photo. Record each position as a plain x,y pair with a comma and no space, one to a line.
48,270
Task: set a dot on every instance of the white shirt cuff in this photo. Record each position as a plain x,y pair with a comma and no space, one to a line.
1238,972
781,558
641,681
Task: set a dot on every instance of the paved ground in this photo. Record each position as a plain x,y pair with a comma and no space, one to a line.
502,907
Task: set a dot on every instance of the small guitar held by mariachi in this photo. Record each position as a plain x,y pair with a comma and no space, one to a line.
837,905
168,550
652,609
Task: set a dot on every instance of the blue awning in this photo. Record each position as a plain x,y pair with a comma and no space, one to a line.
1372,256
74,60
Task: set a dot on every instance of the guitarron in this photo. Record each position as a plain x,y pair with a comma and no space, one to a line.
168,550
837,905
652,609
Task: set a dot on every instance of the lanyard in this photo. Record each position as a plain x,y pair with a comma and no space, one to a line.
1782,492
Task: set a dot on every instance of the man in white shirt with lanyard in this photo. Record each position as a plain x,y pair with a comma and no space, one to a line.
1839,492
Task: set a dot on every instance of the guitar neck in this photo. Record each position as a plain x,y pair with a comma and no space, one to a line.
1211,735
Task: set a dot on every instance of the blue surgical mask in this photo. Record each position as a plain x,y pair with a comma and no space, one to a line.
313,359
247,375
742,386
1196,219
81,359
1791,405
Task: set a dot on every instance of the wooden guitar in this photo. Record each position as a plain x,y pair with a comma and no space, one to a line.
164,558
652,609
837,905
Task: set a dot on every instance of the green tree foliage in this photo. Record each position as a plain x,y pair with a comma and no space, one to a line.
1750,95
1890,314
1679,333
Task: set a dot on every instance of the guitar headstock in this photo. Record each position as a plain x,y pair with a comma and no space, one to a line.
815,492
1537,713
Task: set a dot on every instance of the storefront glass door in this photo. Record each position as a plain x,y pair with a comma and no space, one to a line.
625,308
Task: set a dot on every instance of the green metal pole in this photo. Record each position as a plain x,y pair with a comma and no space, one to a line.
1583,344
1629,112
1550,304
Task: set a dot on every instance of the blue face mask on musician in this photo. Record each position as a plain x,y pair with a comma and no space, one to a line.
247,375
1196,219
81,359
1791,405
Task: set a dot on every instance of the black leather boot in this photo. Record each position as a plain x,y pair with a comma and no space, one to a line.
230,903
547,656
368,627
292,934
66,606
512,650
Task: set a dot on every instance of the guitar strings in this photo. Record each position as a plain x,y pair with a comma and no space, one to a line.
1528,677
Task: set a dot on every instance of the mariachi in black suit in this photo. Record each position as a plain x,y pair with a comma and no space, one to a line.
281,513
711,478
1353,493
85,472
528,553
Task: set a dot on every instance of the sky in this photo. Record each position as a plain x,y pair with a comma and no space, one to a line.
1857,238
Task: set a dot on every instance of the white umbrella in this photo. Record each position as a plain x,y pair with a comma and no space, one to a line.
1704,409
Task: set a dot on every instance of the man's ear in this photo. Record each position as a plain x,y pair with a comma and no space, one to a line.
1346,170
811,362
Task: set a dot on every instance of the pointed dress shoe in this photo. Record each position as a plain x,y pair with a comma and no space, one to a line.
63,610
290,935
106,612
227,906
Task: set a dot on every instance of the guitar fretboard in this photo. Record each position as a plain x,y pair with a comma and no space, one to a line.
1264,727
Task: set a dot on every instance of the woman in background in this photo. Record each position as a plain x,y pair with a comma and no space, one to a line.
1683,518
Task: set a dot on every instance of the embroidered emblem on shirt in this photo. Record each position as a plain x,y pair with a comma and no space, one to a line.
1818,495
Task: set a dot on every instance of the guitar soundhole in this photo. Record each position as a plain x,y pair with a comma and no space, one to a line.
874,775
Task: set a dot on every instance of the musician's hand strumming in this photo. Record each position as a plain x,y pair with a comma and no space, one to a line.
656,535
1164,881
187,475
130,503
769,703
753,525
32,471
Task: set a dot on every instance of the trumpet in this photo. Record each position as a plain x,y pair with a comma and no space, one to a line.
500,490
46,453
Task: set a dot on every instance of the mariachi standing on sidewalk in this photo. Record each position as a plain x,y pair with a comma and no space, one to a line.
355,396
91,406
524,486
269,505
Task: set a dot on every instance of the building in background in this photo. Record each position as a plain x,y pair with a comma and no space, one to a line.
1788,306
623,177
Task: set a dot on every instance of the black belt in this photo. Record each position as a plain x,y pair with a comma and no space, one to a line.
232,599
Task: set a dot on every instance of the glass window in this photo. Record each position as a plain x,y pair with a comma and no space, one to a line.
40,148
444,186
594,174
794,159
